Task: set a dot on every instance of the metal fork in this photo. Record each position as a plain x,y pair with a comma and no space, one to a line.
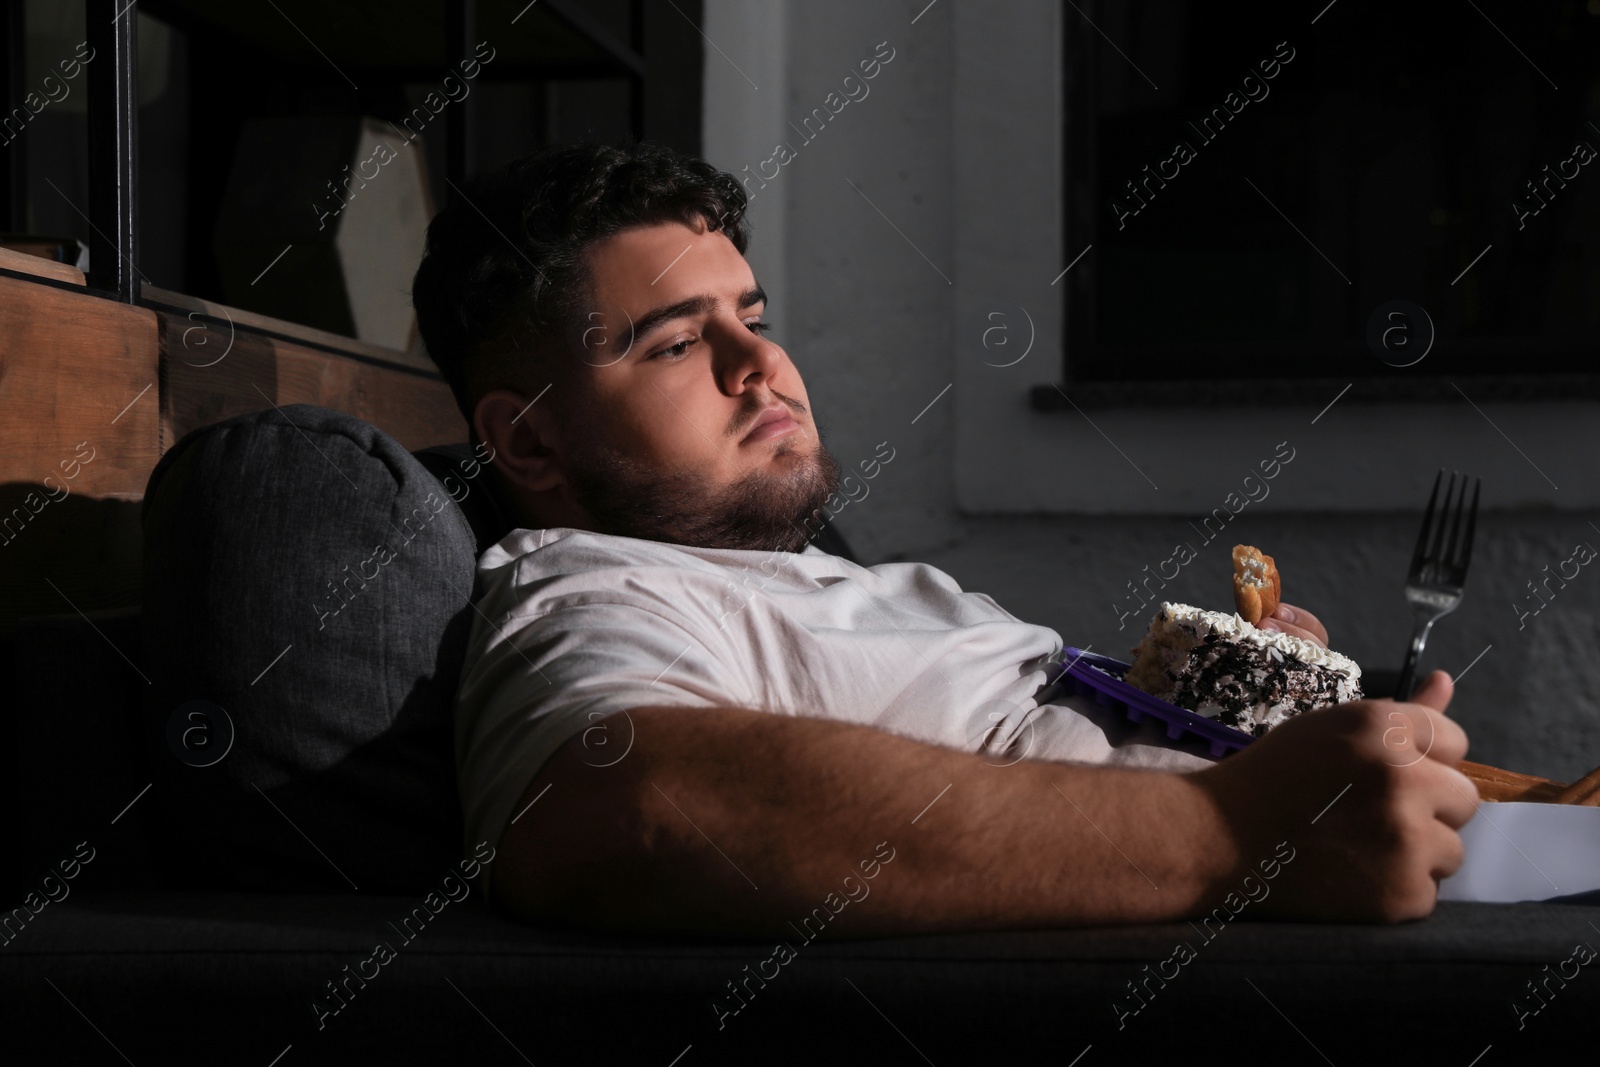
1438,570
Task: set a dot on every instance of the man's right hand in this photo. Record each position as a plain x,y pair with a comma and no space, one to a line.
1368,796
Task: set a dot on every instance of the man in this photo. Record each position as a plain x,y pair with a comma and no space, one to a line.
677,715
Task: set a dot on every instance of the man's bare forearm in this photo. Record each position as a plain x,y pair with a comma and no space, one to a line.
730,820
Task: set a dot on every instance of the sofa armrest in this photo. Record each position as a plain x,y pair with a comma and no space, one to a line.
75,757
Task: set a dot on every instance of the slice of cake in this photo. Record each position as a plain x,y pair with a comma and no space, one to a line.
1222,667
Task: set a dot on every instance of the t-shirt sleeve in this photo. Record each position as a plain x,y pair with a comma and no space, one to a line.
546,678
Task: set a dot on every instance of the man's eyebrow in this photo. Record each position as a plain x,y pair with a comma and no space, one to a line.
695,305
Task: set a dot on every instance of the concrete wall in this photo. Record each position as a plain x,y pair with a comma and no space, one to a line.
886,254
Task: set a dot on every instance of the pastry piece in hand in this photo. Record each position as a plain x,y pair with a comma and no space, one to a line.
1257,589
1222,667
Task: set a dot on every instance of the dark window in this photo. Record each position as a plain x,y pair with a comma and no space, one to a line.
1288,180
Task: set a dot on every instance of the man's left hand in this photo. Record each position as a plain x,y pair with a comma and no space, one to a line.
1298,622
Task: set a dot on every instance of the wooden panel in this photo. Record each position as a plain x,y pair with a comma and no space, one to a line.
79,432
209,376
193,307
10,259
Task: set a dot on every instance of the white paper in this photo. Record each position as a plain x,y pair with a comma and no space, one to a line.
1517,852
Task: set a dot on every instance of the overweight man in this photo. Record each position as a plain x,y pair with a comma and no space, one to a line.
678,714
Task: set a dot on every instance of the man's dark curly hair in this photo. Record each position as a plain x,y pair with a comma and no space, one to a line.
501,291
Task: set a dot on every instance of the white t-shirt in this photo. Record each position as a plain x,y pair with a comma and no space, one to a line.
574,626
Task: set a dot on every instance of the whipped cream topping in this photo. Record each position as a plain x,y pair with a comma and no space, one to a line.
1234,627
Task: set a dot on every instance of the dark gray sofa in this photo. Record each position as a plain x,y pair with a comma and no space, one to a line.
216,892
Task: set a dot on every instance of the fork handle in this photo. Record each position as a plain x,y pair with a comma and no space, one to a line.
1408,672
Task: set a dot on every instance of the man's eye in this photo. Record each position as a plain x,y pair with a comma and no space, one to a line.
677,351
759,327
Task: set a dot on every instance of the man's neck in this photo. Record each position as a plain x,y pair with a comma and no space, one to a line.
534,511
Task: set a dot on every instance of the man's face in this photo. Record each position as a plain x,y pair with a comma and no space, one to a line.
689,426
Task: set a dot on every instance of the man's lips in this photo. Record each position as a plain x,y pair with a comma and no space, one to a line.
773,422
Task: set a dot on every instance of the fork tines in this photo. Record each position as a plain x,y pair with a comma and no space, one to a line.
1435,560
1438,566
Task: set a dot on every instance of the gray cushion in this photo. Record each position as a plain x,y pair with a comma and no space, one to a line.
307,575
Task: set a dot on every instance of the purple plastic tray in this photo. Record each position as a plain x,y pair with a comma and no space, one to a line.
1100,677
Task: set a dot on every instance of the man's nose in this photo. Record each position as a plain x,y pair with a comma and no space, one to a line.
745,359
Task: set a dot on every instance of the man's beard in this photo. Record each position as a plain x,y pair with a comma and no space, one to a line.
761,510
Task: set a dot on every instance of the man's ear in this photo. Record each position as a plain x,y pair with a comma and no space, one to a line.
526,443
